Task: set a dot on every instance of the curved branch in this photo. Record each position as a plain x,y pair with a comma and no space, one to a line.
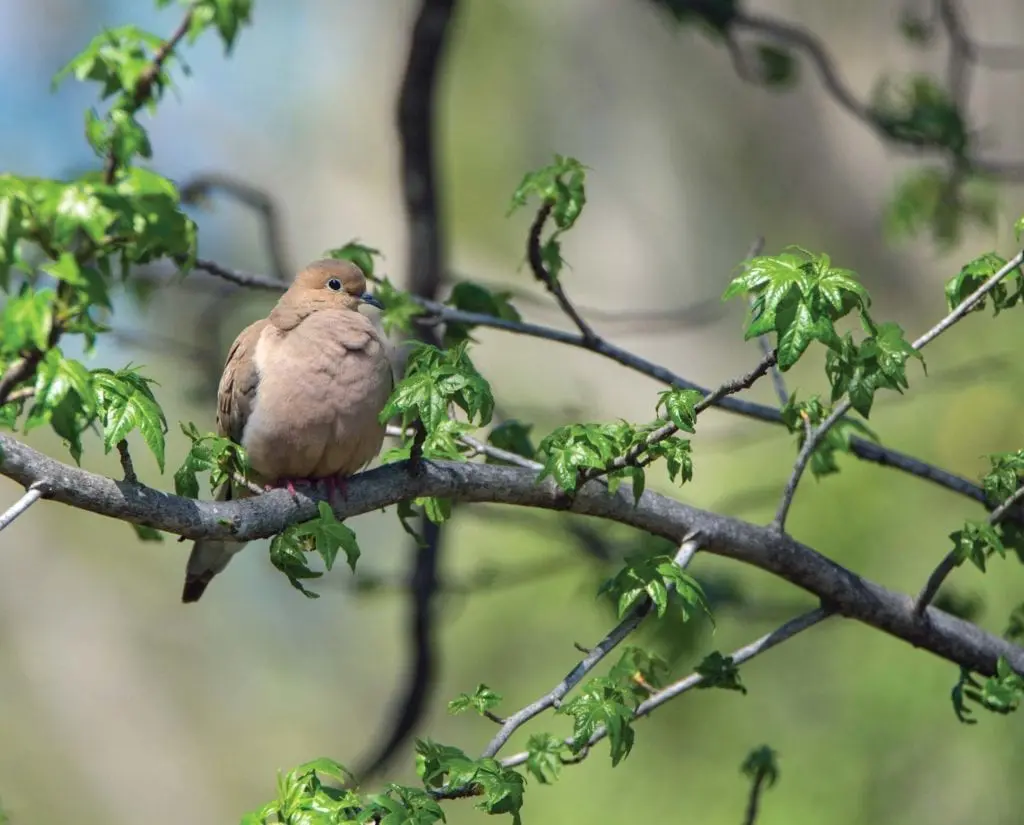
841,590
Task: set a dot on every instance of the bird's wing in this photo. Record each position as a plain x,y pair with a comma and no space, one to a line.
236,396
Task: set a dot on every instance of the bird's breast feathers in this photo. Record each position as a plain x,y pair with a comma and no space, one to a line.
321,388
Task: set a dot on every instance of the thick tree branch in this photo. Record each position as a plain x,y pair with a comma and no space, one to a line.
814,439
426,250
266,515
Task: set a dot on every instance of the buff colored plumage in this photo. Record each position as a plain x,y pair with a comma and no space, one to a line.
302,391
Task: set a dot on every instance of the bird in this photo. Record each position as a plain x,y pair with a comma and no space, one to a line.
302,391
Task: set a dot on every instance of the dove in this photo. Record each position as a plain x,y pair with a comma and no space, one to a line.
302,391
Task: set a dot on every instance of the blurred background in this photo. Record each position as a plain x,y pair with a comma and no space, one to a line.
119,705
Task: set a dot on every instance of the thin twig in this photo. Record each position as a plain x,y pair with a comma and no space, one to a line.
31,496
199,187
19,370
811,443
744,654
778,382
553,697
754,800
950,561
126,462
144,85
536,258
814,48
633,455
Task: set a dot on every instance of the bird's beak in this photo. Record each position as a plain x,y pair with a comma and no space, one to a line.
367,298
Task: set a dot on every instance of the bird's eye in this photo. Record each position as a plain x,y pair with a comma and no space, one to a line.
334,284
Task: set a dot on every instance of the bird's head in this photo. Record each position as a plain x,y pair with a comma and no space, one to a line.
331,283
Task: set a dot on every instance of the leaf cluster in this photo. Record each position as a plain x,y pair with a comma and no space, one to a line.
561,189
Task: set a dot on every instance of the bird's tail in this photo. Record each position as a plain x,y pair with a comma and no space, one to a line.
208,558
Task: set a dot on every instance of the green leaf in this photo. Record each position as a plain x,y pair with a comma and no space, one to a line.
973,275
762,765
659,579
145,533
639,671
124,403
941,202
324,766
544,757
678,457
228,16
288,554
917,111
500,789
976,542
399,805
361,255
64,397
778,68
836,440
602,703
116,59
513,436
434,380
679,407
560,184
720,671
87,280
1001,693
482,699
329,536
399,308
570,449
878,362
798,295
715,17
1005,477
27,320
221,457
471,297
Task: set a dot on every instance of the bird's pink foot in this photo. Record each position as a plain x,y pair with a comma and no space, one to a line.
287,483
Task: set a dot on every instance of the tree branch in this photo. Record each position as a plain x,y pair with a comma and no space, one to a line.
31,496
744,654
426,250
439,313
268,514
196,189
551,283
144,84
615,637
814,439
950,561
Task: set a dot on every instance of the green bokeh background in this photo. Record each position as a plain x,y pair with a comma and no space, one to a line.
121,706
